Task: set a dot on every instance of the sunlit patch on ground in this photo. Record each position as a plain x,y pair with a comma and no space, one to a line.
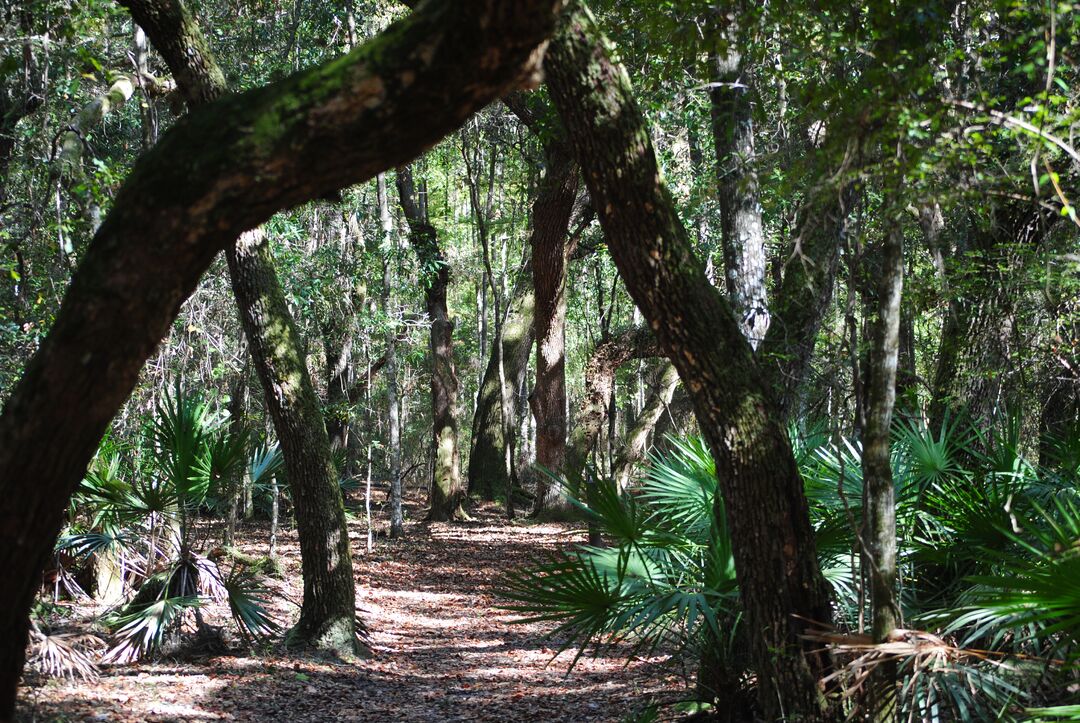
444,649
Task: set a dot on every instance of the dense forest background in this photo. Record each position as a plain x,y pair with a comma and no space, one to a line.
775,307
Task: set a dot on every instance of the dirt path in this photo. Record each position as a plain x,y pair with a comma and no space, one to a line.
443,651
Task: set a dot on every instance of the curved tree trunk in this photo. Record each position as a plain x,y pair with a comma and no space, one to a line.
220,171
636,443
779,579
634,343
447,487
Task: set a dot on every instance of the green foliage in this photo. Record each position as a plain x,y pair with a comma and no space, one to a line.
149,522
667,578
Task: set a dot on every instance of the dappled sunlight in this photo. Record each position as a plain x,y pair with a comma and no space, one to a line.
443,648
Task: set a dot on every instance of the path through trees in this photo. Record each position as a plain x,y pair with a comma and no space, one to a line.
442,648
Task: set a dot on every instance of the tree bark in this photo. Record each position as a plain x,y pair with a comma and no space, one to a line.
447,486
779,579
741,233
550,257
487,458
633,343
327,612
393,395
222,170
636,443
879,491
329,606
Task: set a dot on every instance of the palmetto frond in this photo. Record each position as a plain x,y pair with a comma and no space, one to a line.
264,464
247,603
669,575
142,629
62,655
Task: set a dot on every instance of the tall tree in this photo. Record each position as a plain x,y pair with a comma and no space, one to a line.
780,583
328,609
220,171
393,393
880,522
742,234
447,487
550,261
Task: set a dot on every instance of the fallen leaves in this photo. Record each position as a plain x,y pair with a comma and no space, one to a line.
444,650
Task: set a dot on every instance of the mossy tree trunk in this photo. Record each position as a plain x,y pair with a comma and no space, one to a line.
779,579
327,612
488,474
329,605
223,169
447,486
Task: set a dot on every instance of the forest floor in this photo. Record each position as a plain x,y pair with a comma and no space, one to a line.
442,647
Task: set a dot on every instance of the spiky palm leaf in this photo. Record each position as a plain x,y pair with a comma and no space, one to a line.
142,629
183,429
62,655
247,603
668,577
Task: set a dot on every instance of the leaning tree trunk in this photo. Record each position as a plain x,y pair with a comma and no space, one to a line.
636,443
328,608
447,486
779,579
550,258
487,459
219,171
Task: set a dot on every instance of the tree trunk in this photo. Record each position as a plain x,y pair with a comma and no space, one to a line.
487,459
393,395
779,580
636,443
327,612
329,605
447,487
219,171
550,256
633,343
879,491
741,234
